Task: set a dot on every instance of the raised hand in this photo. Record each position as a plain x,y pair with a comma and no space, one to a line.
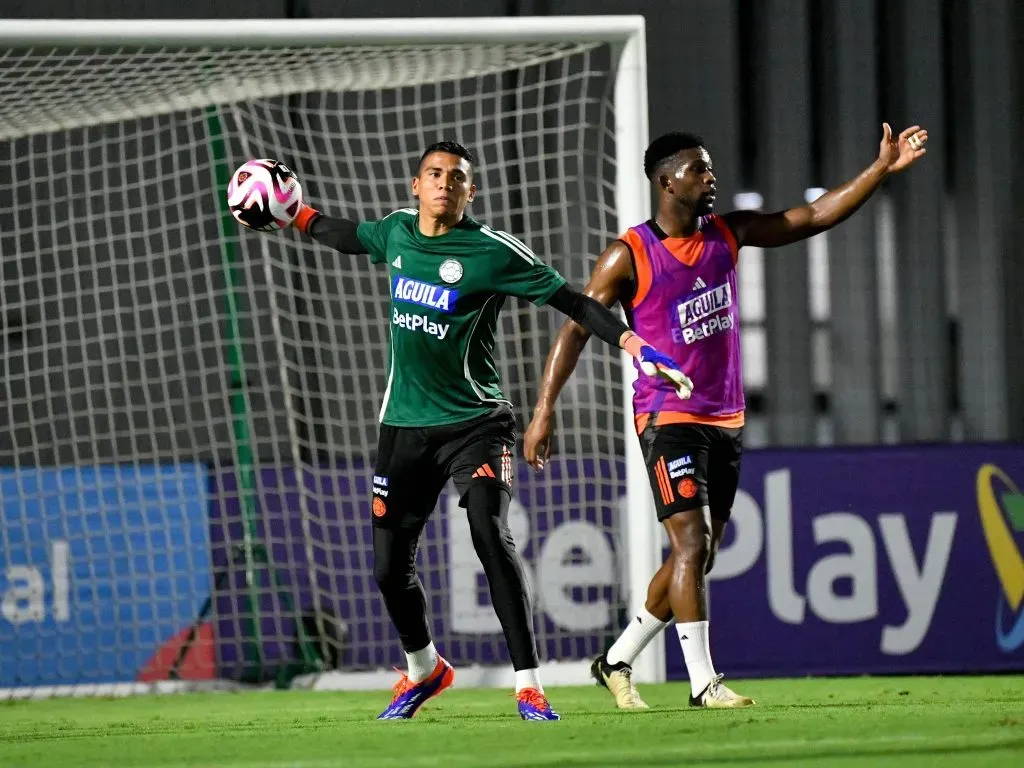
904,150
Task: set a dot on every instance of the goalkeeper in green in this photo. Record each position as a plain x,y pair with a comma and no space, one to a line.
444,415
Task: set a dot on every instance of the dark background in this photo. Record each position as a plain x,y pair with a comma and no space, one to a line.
789,95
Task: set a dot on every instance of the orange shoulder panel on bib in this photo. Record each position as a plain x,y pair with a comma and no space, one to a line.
641,265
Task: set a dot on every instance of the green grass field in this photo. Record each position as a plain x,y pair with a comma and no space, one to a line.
932,721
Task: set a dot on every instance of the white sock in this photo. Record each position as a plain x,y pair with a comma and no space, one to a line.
421,663
635,637
528,678
693,638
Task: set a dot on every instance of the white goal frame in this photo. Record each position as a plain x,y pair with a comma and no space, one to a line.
626,35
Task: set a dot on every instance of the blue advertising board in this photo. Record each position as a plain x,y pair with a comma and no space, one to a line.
99,567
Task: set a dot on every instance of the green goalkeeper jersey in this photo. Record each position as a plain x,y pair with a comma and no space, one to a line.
446,294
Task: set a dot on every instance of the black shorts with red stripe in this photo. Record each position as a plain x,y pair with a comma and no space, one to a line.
414,463
692,466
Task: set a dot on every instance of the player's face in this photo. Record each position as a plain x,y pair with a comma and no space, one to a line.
692,181
444,185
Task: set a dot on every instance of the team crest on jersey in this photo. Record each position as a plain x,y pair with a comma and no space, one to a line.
451,271
424,294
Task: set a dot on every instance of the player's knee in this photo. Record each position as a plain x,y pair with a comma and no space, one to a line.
392,571
387,576
490,535
691,537
487,511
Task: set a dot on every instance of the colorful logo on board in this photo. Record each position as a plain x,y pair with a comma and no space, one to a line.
1001,506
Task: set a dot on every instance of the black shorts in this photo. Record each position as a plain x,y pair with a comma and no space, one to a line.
414,463
692,466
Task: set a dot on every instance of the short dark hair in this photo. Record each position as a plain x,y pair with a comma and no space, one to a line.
452,148
667,145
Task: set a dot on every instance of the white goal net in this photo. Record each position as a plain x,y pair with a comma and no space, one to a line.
189,411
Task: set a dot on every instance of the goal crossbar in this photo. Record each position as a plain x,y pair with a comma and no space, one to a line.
72,33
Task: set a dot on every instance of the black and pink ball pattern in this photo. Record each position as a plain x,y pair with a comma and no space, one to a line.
264,195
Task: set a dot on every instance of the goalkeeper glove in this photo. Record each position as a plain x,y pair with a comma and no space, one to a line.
305,217
654,363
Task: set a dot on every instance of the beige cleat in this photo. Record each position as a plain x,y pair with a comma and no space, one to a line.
719,696
618,679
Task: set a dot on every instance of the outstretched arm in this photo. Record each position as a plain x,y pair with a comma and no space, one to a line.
785,227
339,234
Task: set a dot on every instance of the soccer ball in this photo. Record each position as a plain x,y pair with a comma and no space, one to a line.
264,195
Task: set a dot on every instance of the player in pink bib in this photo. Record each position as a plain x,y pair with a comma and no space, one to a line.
675,277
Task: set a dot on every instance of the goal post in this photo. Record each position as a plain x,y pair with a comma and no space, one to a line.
643,534
191,409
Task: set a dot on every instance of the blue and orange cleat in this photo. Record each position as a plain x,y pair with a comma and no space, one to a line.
410,696
533,705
